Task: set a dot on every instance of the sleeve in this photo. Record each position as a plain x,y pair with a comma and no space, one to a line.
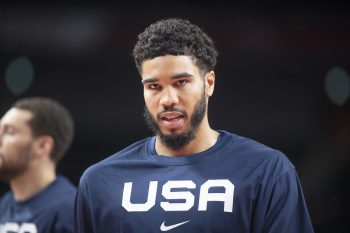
83,220
286,209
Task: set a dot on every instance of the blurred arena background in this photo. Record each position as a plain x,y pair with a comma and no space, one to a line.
283,78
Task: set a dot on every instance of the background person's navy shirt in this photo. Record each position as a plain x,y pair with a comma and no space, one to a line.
50,211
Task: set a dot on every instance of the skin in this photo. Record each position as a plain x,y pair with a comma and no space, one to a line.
175,82
24,159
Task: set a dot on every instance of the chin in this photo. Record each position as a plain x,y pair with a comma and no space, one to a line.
168,132
172,131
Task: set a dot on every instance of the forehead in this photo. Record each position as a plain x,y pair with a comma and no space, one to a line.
16,117
168,65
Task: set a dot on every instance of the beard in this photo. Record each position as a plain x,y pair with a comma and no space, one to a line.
10,169
176,141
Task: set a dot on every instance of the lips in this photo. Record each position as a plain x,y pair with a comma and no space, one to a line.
171,116
172,120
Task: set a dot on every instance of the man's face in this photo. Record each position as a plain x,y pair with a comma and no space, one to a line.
175,98
15,143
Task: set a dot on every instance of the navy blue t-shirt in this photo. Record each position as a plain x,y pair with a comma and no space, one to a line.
237,186
50,211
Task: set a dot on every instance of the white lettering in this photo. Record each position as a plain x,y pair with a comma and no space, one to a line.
185,195
12,227
28,228
151,199
226,197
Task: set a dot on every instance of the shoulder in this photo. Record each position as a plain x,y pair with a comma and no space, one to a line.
257,156
63,186
63,205
58,196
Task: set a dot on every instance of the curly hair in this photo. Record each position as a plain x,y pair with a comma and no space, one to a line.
176,37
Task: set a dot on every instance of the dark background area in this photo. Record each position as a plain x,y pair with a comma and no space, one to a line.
273,66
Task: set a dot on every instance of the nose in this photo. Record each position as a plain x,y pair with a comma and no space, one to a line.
169,98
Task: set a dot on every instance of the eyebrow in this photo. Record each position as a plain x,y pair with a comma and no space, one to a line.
176,76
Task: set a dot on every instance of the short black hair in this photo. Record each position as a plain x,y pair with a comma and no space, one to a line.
49,117
176,37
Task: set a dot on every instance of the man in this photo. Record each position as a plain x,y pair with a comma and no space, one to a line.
34,136
188,177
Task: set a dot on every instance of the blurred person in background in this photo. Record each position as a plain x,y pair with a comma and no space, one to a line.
35,134
188,177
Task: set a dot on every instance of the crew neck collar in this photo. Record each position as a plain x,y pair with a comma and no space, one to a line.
185,159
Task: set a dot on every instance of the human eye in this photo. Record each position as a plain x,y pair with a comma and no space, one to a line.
8,130
153,86
181,82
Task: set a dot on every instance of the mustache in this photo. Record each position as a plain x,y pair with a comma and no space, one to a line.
171,109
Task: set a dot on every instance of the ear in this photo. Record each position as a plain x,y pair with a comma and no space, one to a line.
209,83
43,146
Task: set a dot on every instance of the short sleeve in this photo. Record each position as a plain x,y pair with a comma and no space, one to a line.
286,210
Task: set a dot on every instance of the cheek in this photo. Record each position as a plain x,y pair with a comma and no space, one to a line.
10,148
147,97
189,101
12,145
9,152
150,101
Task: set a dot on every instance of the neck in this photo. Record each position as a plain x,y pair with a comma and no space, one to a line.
32,182
204,139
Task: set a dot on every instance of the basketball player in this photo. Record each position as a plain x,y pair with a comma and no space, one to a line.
188,177
34,135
